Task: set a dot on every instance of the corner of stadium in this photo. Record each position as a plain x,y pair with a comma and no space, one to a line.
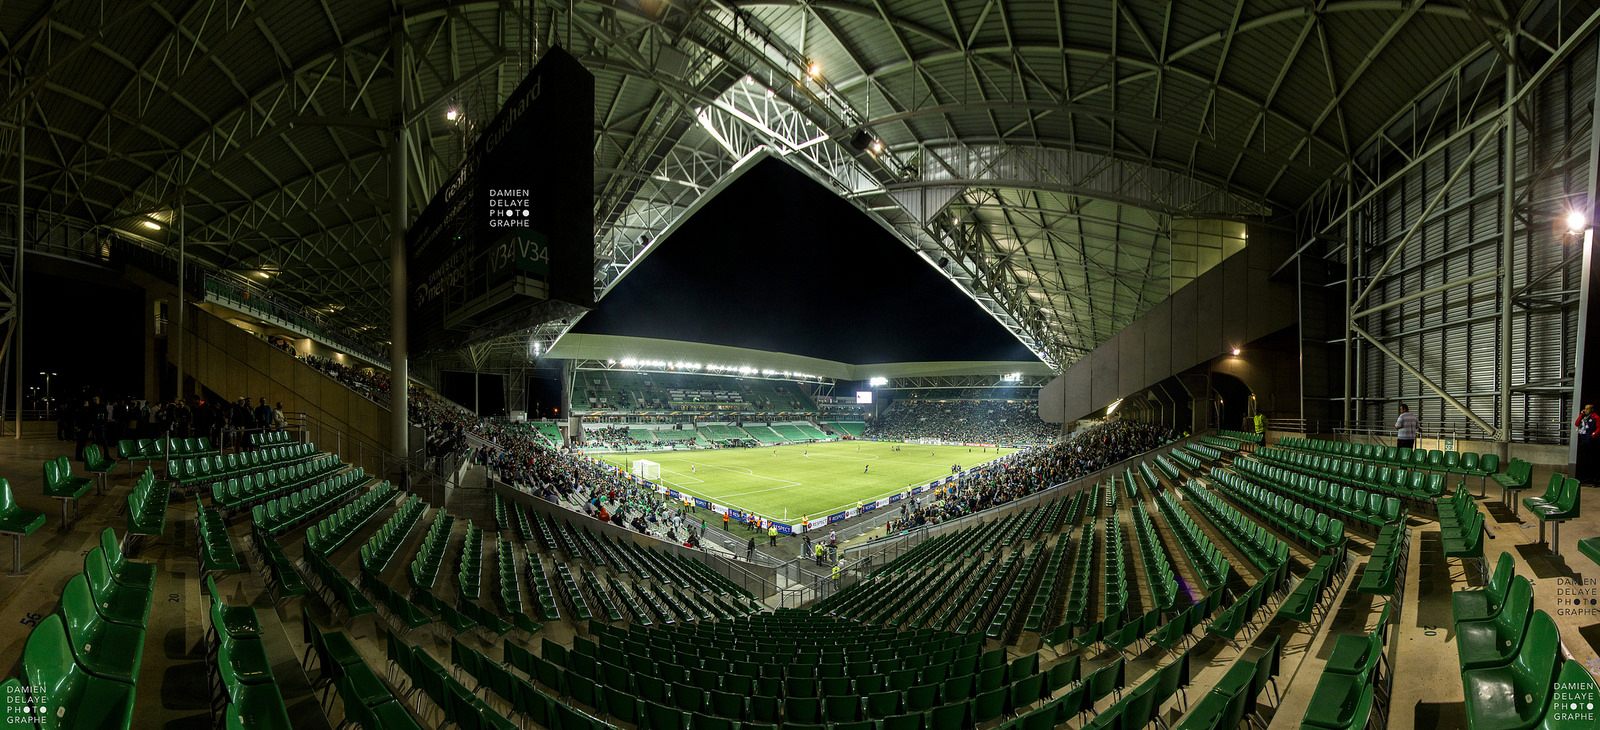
846,365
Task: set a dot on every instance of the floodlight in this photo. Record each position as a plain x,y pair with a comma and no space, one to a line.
1576,221
150,224
877,147
451,114
1236,352
1110,409
814,69
878,382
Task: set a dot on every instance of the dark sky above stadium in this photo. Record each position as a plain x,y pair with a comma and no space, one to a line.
777,262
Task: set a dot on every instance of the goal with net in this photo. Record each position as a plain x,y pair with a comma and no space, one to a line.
647,470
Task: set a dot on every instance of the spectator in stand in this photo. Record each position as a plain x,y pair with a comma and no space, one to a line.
1029,471
1004,422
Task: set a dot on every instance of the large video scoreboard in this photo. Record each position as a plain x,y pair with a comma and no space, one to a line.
508,242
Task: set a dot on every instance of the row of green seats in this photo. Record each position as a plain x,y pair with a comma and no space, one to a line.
1358,506
1158,571
1260,547
1469,463
384,543
424,568
281,577
1418,485
270,438
1511,656
1254,438
1137,708
203,469
1233,697
283,514
147,506
216,553
238,669
1461,526
469,568
247,490
81,665
163,449
368,702
1208,561
1310,592
1385,573
1306,525
332,532
59,483
1346,690
1000,626
1048,593
337,591
1558,504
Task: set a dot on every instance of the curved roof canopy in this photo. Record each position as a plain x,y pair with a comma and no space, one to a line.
1037,151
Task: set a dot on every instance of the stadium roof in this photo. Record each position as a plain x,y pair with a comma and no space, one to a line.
631,350
1040,150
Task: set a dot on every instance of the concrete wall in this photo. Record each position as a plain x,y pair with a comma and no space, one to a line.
233,363
1229,306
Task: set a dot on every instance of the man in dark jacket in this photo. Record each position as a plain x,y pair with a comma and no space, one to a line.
263,415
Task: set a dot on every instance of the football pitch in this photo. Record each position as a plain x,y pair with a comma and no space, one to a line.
791,481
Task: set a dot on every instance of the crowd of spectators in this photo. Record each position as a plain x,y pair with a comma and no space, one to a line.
519,456
998,482
370,382
616,438
1004,422
89,419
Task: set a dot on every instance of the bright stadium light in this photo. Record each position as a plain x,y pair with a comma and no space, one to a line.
814,69
878,382
1113,407
150,224
1236,351
451,114
1576,221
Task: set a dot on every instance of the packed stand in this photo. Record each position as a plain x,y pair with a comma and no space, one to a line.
370,382
996,483
1002,422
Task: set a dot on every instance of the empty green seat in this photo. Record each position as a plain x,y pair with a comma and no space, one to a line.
1480,604
16,522
60,484
105,649
97,463
1494,640
1515,695
115,602
67,695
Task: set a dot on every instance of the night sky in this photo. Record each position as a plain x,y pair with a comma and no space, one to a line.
777,262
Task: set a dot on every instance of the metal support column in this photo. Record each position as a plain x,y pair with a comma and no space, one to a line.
16,269
1347,406
1508,187
178,334
1586,293
399,376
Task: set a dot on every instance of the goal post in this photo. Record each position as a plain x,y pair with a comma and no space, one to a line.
647,470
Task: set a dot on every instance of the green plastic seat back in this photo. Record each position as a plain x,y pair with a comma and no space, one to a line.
8,502
77,607
52,673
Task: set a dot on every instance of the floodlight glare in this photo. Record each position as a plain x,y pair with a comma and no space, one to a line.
877,382
1576,221
1236,352
814,69
150,224
451,114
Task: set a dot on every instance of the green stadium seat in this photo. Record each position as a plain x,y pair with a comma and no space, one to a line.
69,696
16,522
115,602
104,649
1481,604
1516,694
60,484
1495,639
97,463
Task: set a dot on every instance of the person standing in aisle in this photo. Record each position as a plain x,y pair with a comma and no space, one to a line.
1588,425
772,535
750,550
1405,427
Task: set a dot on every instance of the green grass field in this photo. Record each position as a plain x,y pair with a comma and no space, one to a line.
788,482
